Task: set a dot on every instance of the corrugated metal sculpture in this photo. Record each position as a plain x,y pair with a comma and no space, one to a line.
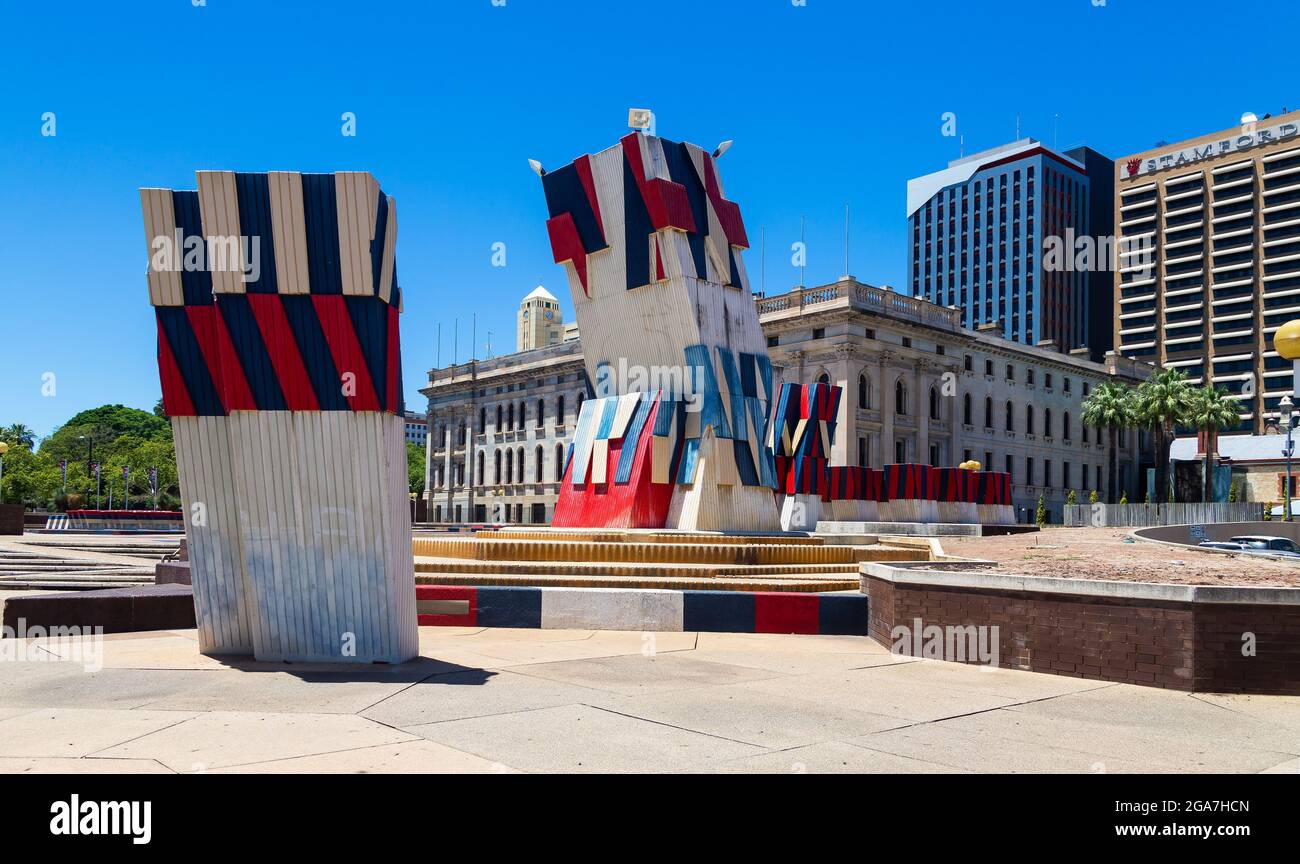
277,303
652,250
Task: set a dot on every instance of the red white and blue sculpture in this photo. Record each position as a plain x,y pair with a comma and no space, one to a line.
277,303
670,335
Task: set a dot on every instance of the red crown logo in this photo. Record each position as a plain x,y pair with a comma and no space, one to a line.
1133,165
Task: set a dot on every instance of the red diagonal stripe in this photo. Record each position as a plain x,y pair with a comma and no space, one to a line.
219,355
176,399
286,359
336,324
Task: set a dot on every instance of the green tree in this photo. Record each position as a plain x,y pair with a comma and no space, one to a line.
120,437
1040,514
1110,406
18,435
1211,409
415,466
1161,404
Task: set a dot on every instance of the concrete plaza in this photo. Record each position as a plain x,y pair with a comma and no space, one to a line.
494,700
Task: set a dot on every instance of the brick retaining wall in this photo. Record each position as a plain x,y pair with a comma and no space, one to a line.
1172,636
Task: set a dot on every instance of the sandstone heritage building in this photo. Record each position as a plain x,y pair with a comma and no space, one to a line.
918,387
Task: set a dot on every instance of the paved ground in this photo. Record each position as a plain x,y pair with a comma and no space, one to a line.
1102,553
483,700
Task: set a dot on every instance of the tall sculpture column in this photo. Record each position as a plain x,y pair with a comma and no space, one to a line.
280,362
671,339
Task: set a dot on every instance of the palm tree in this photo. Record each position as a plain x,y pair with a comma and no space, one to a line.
1211,409
1110,407
19,434
1161,404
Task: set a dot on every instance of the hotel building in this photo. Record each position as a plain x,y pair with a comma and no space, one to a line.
1209,237
918,387
976,235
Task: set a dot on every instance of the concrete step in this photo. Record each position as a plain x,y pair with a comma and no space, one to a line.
431,564
673,582
644,535
492,549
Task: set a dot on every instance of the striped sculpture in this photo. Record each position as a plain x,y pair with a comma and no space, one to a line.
799,438
652,251
853,493
277,304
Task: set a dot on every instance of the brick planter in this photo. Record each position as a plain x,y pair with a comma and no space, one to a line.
11,519
1183,637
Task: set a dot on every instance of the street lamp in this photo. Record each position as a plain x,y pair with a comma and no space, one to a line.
1285,414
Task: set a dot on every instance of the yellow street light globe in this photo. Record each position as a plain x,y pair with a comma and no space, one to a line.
1286,341
4,448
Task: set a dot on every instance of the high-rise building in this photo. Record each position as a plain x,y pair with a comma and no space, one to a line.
977,238
540,321
1209,236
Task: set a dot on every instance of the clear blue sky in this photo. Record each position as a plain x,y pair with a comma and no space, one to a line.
833,102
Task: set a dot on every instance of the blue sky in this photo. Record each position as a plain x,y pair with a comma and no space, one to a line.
832,102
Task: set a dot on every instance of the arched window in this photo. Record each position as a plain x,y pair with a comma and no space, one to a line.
900,398
541,417
537,469
1065,425
559,410
1029,419
1011,426
482,420
510,467
1084,430
864,392
498,426
823,378
577,411
523,478
478,477
510,416
966,410
934,403
559,460
1047,422
523,416
988,412
496,477
460,435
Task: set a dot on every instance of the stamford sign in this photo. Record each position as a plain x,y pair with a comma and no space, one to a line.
1249,137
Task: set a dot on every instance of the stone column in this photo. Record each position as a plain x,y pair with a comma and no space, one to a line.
846,433
887,409
923,419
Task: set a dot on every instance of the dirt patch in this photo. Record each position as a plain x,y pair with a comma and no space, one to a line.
1108,553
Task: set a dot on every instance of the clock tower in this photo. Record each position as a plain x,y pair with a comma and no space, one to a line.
539,321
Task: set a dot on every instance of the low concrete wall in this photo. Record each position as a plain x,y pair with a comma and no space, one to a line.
1142,515
1184,637
1221,531
117,610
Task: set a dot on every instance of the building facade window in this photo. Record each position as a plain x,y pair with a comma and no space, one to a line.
900,398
